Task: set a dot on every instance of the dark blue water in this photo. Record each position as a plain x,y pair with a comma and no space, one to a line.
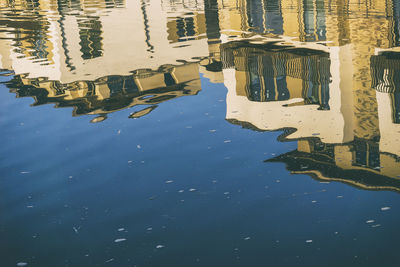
70,189
160,133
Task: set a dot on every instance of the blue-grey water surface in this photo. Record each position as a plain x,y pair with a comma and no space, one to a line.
127,153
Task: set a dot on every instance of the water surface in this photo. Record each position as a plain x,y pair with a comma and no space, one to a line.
199,133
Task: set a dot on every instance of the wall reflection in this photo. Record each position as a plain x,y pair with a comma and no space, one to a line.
326,72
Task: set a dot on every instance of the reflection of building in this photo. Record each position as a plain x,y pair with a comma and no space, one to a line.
113,93
274,86
273,72
358,163
267,90
74,41
321,80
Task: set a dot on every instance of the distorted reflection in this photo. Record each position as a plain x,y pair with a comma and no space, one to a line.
325,72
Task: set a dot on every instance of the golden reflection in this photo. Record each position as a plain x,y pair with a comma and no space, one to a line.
324,71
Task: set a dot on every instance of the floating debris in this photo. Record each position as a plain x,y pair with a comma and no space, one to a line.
138,146
110,260
385,208
212,131
121,229
181,191
149,228
24,172
227,141
309,241
192,189
370,221
22,263
159,246
169,181
119,240
247,238
375,225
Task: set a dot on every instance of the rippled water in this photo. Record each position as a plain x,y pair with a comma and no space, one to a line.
209,133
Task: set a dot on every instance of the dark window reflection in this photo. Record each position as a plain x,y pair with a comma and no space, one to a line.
366,154
396,106
90,35
185,28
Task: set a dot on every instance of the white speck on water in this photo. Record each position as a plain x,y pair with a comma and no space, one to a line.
130,161
121,229
278,181
29,207
192,189
247,238
336,233
169,181
119,132
385,208
24,172
226,193
309,241
76,230
370,221
212,131
314,201
110,260
181,191
339,197
149,228
189,127
70,177
138,146
375,225
159,246
227,141
22,264
119,240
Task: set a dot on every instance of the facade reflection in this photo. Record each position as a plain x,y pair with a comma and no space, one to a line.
324,71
